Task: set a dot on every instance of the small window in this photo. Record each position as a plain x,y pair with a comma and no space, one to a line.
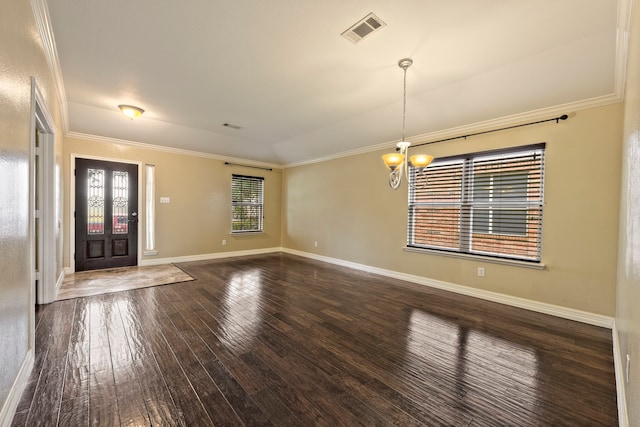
150,205
482,203
247,204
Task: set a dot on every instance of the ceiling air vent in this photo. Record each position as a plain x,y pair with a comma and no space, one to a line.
363,28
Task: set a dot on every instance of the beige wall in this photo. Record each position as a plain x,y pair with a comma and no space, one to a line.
628,290
21,56
199,215
347,207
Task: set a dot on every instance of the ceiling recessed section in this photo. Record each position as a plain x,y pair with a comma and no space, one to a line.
282,72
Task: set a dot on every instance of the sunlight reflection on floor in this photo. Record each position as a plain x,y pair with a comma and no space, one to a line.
465,361
242,319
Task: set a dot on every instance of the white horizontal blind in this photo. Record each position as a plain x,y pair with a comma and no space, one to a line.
482,203
247,203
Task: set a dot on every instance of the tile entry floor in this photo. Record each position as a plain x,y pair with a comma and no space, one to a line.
98,282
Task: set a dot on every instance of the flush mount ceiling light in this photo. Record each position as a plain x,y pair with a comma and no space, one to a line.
131,111
398,161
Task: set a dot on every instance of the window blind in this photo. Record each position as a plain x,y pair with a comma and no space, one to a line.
247,203
482,203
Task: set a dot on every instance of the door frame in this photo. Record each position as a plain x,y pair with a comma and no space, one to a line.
72,203
42,120
42,123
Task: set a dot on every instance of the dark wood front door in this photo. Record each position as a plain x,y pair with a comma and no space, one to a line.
106,214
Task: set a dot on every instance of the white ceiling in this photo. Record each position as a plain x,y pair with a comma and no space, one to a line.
300,91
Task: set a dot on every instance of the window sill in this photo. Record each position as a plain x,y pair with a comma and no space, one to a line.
478,258
245,233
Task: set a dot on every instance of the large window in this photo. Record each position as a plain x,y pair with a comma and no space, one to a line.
247,193
483,203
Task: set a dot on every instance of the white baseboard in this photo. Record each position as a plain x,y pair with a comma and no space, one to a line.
540,307
619,364
11,404
204,257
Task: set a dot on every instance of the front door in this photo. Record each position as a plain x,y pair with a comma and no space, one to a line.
106,214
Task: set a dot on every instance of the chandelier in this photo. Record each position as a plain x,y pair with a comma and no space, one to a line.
398,162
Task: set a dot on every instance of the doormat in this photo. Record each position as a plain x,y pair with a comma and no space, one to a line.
98,282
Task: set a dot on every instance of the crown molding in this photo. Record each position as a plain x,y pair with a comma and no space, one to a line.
520,118
43,22
512,120
154,147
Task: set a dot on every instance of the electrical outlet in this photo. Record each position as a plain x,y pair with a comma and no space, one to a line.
480,271
315,244
224,243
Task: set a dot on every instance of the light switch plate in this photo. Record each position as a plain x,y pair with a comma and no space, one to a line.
165,200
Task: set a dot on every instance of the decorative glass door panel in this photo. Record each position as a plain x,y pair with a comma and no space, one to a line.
95,201
106,214
120,202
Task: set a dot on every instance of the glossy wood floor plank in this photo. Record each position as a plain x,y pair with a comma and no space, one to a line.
189,408
278,340
157,399
53,335
187,323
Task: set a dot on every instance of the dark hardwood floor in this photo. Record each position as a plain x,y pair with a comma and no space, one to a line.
282,340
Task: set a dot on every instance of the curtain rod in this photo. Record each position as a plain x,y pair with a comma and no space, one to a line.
248,166
557,119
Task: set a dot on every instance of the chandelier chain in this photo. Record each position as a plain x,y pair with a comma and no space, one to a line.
404,103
